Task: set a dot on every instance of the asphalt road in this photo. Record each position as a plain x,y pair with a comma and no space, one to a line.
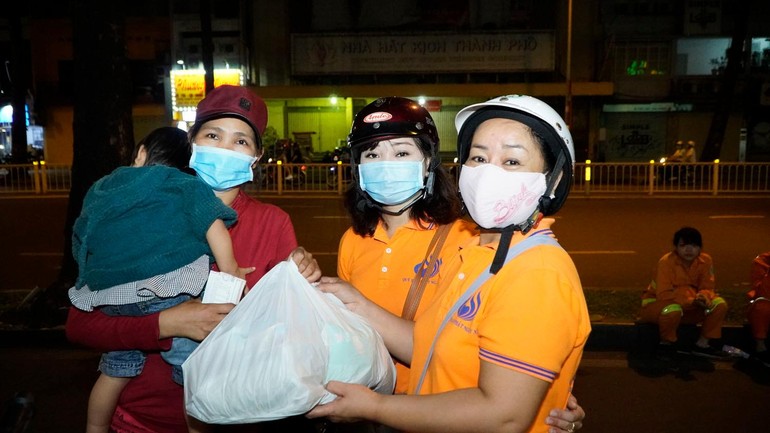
615,242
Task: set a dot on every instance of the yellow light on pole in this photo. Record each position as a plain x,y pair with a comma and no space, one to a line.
588,170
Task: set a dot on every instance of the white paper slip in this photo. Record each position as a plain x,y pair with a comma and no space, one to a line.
223,288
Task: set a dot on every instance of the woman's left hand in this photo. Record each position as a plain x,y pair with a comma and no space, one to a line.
566,420
352,404
308,266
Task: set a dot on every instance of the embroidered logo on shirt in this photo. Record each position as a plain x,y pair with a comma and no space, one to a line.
469,309
424,266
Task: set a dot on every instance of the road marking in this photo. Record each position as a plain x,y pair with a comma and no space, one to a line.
41,254
601,252
623,363
724,217
330,217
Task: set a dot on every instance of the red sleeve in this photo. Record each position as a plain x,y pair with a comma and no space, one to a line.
102,332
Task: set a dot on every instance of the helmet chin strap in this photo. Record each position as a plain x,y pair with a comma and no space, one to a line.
409,203
506,233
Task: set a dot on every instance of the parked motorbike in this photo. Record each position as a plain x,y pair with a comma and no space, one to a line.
293,175
338,155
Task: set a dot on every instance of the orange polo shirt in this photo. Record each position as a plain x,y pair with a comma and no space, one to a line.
383,268
531,318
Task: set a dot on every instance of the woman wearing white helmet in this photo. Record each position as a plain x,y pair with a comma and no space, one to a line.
501,343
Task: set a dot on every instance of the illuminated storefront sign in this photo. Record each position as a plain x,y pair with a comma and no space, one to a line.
427,52
188,86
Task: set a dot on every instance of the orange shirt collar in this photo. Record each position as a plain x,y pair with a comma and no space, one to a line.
544,224
380,234
698,260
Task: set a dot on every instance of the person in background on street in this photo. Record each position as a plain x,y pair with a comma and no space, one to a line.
678,154
514,338
689,153
759,305
405,212
684,291
143,243
226,145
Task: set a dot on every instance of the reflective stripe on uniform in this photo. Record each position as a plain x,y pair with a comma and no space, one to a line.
716,301
671,308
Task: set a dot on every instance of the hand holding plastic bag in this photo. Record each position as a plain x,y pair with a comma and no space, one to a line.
271,356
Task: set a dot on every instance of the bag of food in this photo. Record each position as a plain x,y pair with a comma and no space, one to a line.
272,355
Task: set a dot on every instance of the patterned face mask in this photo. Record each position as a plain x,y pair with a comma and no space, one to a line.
497,198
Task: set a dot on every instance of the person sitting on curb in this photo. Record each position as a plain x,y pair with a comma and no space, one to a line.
683,291
758,313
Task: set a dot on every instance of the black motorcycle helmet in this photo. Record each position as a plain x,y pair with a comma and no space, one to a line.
388,118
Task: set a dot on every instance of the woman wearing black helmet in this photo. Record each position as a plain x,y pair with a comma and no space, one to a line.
491,372
404,208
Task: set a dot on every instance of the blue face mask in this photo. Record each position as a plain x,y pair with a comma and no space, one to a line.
391,182
221,169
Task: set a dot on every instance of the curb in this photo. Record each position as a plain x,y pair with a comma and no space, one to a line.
629,336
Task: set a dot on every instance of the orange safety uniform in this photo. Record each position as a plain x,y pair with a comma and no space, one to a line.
531,317
670,298
383,268
759,307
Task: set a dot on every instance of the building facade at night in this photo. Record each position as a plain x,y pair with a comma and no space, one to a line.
631,77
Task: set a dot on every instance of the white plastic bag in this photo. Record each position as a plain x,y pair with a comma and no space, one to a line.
271,356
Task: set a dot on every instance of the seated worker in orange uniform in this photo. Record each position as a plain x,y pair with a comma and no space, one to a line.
683,291
759,305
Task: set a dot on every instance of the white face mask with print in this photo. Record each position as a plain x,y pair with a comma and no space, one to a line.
497,198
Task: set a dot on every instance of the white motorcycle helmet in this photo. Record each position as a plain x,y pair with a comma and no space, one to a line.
544,121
